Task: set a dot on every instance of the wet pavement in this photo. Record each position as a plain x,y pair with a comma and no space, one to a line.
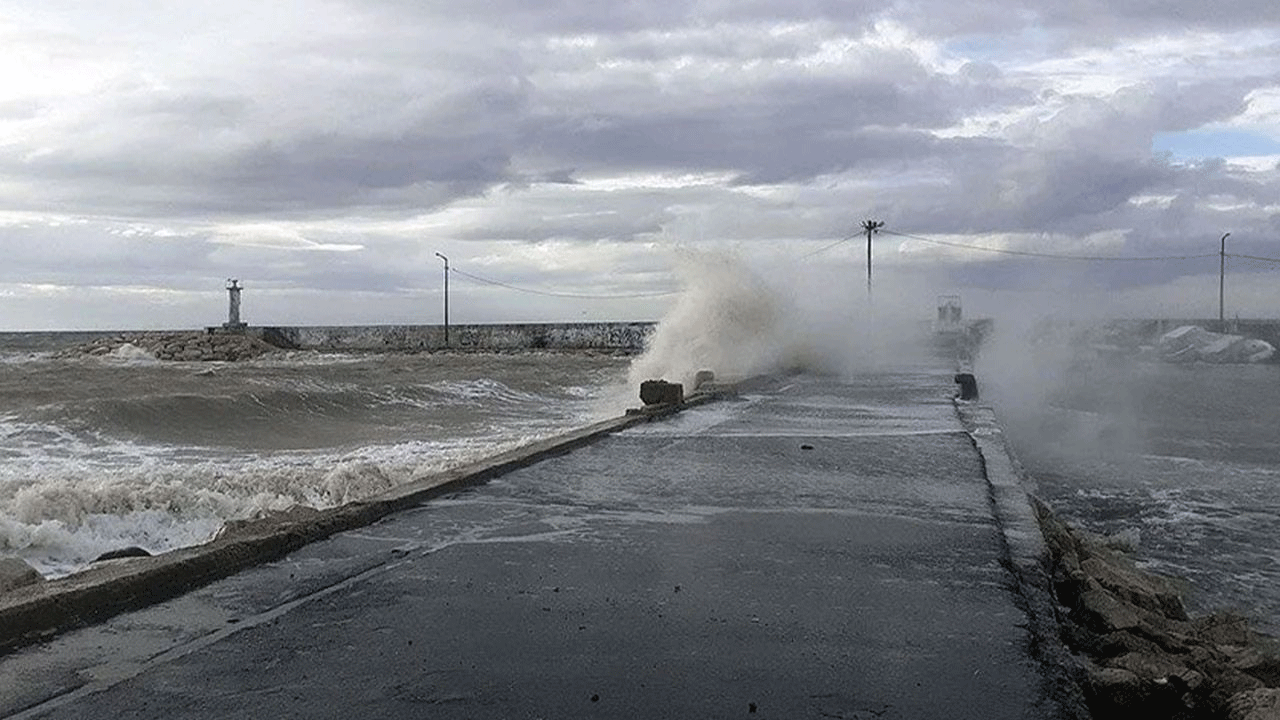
818,548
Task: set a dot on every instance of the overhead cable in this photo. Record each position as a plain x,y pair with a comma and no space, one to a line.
825,248
547,293
1049,256
1254,257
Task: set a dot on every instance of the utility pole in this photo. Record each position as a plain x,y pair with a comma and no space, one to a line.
870,227
446,298
1222,275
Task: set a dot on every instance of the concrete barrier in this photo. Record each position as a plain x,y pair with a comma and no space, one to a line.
1025,551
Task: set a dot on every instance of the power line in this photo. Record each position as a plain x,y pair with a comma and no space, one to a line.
548,293
1254,257
1050,256
825,248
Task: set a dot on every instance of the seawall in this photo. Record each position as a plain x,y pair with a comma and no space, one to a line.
606,336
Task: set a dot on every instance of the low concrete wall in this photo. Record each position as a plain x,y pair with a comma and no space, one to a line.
619,336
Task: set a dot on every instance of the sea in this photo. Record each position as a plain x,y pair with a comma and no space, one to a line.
103,453
1178,464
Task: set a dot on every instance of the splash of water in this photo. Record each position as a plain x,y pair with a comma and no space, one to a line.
733,321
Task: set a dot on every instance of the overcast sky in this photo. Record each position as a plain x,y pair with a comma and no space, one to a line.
323,151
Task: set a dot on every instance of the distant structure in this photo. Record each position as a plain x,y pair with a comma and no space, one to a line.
233,312
950,316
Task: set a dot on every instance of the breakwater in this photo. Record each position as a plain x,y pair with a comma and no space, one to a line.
1147,330
605,336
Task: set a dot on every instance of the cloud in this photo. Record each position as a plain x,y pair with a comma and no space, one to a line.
277,238
333,147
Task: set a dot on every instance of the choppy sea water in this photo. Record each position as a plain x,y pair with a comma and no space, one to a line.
102,453
1182,461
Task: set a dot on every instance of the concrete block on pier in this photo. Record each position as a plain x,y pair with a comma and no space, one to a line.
661,392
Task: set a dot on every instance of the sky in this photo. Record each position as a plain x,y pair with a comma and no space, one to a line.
567,157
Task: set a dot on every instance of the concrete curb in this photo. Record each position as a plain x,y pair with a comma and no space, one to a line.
1028,560
36,612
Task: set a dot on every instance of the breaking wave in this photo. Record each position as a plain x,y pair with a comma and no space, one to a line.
739,322
101,454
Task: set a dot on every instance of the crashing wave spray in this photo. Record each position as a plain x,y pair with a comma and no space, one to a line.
727,320
734,322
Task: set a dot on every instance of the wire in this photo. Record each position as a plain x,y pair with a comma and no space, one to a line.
547,293
827,247
1254,257
1050,256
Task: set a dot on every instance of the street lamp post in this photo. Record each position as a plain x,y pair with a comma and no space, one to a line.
1222,274
446,298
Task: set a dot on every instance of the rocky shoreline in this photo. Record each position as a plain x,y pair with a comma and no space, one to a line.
192,346
1145,656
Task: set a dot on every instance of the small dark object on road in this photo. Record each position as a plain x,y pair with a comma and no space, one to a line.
968,386
806,446
751,707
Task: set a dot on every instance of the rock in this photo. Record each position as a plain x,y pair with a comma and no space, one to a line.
16,573
1145,590
1263,704
1223,629
132,551
1159,667
1117,690
1119,643
1253,662
1106,613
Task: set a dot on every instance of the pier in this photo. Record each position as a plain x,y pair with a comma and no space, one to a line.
810,547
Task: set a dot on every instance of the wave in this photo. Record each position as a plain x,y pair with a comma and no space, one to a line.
95,454
60,515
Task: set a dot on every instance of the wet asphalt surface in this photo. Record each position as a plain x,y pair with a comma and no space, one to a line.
817,549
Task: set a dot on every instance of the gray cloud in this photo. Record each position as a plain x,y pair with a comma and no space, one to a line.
400,127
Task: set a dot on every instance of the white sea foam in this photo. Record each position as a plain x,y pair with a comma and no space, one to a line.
60,514
130,353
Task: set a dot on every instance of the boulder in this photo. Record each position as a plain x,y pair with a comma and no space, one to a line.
1223,629
132,551
16,573
1262,704
1251,661
1146,590
1161,667
1117,691
1105,613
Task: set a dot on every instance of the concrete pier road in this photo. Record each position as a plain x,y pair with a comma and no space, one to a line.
819,549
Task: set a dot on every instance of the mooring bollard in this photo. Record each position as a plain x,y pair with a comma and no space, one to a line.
702,377
968,386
